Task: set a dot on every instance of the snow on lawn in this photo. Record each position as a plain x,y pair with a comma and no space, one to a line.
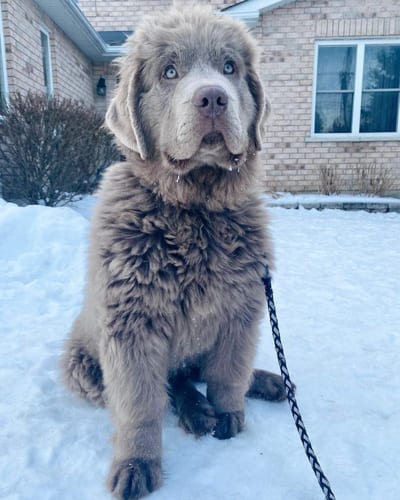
337,291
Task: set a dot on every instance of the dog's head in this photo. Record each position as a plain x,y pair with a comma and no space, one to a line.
189,93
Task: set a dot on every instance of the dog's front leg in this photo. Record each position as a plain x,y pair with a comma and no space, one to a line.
227,371
135,374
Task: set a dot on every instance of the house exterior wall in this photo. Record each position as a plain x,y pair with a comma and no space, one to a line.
292,159
71,70
121,15
108,71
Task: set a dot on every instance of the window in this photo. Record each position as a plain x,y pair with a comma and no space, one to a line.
46,62
3,75
380,88
357,86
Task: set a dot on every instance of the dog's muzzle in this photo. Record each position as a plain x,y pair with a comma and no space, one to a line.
211,101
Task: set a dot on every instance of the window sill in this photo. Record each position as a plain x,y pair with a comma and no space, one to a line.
352,138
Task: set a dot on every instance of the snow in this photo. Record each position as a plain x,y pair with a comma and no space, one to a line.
337,295
283,198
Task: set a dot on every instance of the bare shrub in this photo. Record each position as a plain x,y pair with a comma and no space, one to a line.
372,179
51,150
329,182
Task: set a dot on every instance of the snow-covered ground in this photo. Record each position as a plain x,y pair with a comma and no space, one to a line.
337,291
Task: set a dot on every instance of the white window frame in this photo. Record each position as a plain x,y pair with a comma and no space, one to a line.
3,63
50,86
354,135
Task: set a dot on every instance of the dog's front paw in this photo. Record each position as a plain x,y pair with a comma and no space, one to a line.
134,478
229,424
268,386
197,416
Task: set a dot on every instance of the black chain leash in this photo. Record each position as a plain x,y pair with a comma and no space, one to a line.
312,458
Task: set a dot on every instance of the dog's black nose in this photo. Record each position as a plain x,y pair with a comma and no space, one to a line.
210,100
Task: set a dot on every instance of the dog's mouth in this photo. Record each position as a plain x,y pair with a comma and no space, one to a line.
178,164
213,138
210,139
210,145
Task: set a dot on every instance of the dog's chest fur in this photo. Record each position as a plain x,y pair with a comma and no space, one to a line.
181,273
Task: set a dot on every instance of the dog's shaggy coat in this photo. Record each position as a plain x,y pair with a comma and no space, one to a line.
178,245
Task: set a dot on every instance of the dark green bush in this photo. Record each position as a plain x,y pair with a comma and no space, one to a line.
51,150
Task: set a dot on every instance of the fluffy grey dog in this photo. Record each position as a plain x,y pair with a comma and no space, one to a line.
178,245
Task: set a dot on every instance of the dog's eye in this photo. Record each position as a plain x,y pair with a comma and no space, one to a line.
229,67
170,72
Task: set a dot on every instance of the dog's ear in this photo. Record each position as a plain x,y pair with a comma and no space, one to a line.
261,104
123,116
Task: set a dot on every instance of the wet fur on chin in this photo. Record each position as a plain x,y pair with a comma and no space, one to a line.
217,185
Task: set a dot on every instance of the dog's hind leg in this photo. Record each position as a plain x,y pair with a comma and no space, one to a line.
266,385
80,367
196,414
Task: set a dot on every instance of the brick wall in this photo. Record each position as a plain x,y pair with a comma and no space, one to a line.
109,73
71,70
287,36
120,15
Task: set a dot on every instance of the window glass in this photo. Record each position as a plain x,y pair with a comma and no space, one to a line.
336,68
335,89
379,111
381,82
2,92
376,95
2,73
381,67
47,77
333,113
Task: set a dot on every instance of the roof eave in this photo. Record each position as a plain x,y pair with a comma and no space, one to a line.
250,17
274,6
250,11
67,15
